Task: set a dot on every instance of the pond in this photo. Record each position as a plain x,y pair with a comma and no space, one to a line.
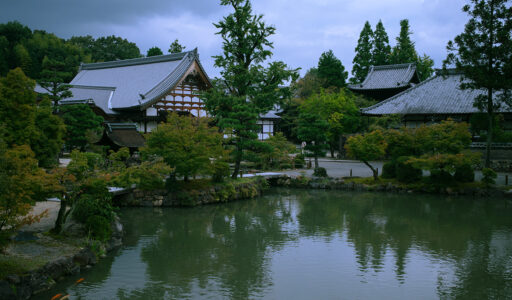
298,244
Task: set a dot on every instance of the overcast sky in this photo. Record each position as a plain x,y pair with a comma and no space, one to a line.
305,28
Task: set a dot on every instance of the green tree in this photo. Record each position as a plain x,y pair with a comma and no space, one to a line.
22,183
363,58
17,108
309,84
47,143
53,79
339,111
312,129
404,51
424,66
186,144
331,71
367,147
176,47
247,88
153,51
482,52
381,50
81,122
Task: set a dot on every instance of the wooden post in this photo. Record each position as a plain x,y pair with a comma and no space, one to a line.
506,179
350,172
377,171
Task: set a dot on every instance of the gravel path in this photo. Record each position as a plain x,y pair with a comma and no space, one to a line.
47,222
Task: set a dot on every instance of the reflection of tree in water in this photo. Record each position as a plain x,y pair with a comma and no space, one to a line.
228,242
455,229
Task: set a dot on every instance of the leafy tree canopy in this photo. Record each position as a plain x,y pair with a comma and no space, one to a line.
153,51
186,144
367,147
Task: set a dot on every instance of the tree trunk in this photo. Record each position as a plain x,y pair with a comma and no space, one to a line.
237,169
490,114
341,150
374,171
316,161
331,148
61,217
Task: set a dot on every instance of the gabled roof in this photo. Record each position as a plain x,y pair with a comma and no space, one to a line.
388,77
134,83
438,95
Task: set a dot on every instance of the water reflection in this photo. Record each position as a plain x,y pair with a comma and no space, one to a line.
312,244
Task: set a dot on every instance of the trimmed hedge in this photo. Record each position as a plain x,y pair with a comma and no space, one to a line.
406,173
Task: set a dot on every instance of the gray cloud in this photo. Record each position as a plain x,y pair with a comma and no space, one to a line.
305,28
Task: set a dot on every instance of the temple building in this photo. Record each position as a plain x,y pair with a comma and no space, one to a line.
433,100
142,90
386,81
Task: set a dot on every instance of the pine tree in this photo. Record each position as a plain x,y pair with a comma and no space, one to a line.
363,58
331,71
53,79
483,53
381,50
404,51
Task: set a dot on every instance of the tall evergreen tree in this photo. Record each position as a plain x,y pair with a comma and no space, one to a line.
404,51
483,52
381,50
363,57
331,71
247,87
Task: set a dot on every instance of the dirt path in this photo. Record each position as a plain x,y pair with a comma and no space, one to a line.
47,222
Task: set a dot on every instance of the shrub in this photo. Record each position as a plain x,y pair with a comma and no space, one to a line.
99,227
149,175
464,173
489,176
95,201
320,172
441,177
405,172
389,169
298,161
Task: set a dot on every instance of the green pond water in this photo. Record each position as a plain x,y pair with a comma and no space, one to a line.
297,244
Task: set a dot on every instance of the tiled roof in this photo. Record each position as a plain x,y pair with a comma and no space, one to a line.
136,82
99,95
388,77
124,135
437,95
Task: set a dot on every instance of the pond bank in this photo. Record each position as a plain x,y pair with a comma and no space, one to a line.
195,193
40,260
360,184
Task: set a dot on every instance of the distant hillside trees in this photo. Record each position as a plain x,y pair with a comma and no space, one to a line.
25,48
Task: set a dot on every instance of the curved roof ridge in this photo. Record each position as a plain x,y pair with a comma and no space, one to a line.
135,61
394,66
